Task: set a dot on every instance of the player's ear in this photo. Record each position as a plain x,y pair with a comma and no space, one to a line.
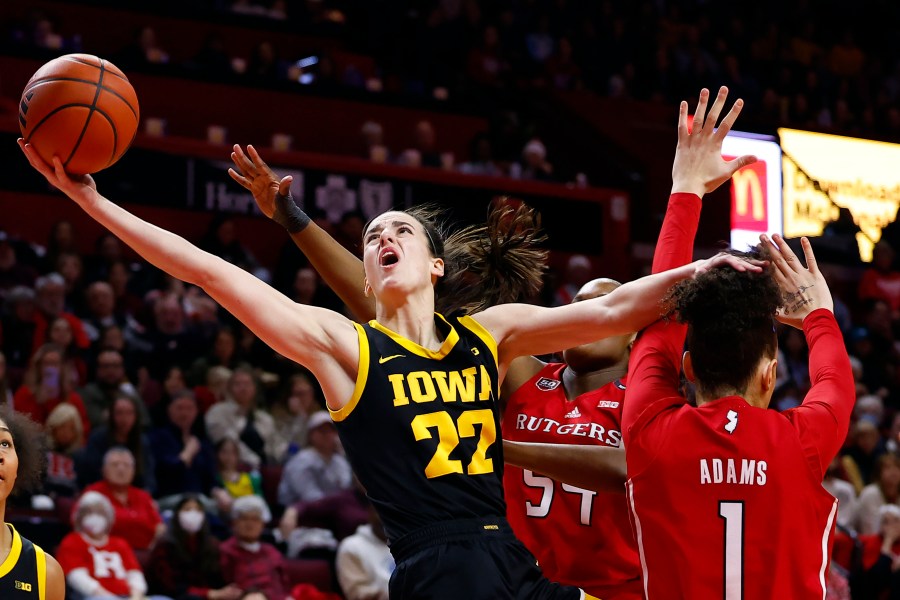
769,374
437,267
367,289
688,365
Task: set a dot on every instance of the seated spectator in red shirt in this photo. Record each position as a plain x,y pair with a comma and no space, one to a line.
99,564
880,281
185,563
137,519
247,562
46,387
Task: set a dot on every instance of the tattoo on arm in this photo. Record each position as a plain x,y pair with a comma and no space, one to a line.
794,301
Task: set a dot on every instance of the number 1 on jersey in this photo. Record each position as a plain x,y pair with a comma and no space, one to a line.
733,514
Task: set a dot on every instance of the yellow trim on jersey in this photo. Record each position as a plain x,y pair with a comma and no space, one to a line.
589,597
41,560
485,335
415,348
14,552
361,376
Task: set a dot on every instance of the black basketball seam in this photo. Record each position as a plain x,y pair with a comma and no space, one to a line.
88,81
84,62
100,111
87,121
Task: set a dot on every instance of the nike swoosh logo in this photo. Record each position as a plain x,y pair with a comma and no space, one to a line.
384,359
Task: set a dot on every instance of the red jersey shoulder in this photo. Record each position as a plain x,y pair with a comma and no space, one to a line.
539,411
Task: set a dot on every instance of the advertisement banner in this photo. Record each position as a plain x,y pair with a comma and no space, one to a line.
826,173
755,189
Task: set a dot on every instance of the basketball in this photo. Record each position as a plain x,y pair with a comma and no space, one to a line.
82,109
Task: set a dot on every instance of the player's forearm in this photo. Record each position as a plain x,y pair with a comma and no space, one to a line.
636,304
675,245
597,468
340,269
829,366
163,249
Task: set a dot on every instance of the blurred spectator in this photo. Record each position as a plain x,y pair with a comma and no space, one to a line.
143,51
101,311
318,470
50,301
183,456
867,446
486,63
884,490
880,281
45,387
122,429
212,58
136,518
340,514
69,265
6,395
12,272
265,63
578,272
372,134
561,70
232,480
481,160
64,438
796,358
223,353
74,367
127,302
172,341
240,419
18,328
364,563
424,152
98,563
881,556
109,383
292,411
60,239
534,163
215,390
843,491
185,562
248,562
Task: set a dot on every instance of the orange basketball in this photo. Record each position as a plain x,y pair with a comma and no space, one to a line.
82,109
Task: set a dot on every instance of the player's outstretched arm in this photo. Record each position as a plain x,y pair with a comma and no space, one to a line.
824,417
340,269
522,329
597,468
322,340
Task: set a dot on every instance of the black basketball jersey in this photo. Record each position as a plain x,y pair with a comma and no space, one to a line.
422,430
23,574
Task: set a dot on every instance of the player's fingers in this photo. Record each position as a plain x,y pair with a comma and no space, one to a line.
683,135
739,163
700,112
728,122
239,178
776,256
241,160
789,257
257,160
811,263
716,109
284,188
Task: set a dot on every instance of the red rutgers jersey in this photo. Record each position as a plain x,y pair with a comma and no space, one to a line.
727,498
579,537
108,564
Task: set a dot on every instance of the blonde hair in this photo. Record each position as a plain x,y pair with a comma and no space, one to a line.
59,416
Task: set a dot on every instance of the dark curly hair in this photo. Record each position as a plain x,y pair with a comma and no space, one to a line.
30,443
504,251
731,322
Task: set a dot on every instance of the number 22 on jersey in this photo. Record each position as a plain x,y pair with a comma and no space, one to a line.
449,434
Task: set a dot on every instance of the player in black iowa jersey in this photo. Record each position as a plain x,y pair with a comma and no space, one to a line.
442,504
26,571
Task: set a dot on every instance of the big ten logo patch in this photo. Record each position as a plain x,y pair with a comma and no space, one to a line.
21,585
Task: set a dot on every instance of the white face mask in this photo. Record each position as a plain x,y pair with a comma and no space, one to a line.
191,520
94,524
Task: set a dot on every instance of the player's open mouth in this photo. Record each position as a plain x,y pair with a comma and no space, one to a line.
388,258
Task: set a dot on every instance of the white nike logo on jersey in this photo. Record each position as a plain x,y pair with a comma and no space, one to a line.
573,414
732,421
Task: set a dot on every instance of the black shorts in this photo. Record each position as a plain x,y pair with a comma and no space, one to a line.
473,559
